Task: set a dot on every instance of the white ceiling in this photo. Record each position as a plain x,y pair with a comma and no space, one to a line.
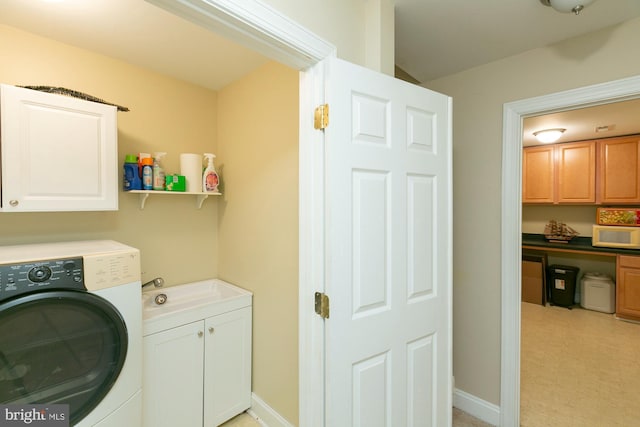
138,33
620,118
433,38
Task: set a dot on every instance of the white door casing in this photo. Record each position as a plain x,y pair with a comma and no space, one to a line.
388,251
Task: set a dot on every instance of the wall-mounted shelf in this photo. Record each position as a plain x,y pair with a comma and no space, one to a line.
200,197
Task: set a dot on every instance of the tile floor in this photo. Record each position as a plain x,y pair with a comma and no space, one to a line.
578,368
460,419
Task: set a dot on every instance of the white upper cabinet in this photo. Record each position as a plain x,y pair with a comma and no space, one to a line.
58,153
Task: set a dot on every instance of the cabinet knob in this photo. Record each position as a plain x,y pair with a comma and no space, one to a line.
200,333
14,203
211,329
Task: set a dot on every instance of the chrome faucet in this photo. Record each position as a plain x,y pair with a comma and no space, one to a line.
157,282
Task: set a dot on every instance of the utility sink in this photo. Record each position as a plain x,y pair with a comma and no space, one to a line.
190,302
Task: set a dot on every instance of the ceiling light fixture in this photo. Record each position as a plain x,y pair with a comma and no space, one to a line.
549,135
566,6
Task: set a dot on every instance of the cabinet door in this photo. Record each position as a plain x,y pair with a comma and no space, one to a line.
619,160
172,377
576,172
227,385
628,287
58,153
538,168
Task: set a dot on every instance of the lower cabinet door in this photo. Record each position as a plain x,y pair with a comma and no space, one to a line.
628,293
227,385
172,377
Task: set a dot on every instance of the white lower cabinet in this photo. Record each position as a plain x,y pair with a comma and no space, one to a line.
198,374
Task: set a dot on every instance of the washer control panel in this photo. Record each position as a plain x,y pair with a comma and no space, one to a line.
16,279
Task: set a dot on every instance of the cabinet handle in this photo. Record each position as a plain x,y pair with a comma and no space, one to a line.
200,334
14,203
211,329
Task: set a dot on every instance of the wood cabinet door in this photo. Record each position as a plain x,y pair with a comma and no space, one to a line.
628,287
619,167
538,167
576,172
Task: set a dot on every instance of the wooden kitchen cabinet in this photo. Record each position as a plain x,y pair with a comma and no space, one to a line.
619,170
561,173
59,153
538,170
628,287
576,172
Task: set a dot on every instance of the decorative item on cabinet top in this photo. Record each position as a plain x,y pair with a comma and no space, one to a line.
75,94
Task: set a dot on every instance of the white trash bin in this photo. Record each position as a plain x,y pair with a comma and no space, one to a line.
598,292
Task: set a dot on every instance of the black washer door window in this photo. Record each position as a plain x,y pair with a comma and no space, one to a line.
60,347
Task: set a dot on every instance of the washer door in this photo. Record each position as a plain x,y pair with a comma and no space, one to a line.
63,347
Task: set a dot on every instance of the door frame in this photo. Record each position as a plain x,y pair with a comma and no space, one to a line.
261,28
511,230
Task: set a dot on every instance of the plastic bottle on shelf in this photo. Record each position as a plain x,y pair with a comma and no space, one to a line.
131,179
147,173
158,171
141,157
210,178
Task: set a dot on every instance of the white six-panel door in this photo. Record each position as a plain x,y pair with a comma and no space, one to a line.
388,251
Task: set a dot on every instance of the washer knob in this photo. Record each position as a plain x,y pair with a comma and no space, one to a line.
39,274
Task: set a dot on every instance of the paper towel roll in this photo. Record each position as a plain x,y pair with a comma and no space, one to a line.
191,168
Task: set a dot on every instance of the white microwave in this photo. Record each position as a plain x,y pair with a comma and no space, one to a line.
611,236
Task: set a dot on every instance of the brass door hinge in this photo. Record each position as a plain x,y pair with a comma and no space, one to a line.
321,117
322,305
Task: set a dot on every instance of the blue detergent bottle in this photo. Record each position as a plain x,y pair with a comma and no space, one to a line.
131,179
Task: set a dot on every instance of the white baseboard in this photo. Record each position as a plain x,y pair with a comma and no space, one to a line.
265,414
472,405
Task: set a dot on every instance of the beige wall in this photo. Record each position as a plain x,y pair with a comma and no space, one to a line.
478,98
258,221
361,30
580,218
177,241
340,22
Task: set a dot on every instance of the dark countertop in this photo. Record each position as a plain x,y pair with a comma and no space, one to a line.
576,244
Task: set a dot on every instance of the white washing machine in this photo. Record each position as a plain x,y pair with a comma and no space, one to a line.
71,330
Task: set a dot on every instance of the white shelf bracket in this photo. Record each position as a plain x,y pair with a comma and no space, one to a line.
200,198
143,199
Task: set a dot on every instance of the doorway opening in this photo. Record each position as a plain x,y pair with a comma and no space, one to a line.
511,232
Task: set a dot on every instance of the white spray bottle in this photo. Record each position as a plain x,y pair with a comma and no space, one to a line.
210,178
158,171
